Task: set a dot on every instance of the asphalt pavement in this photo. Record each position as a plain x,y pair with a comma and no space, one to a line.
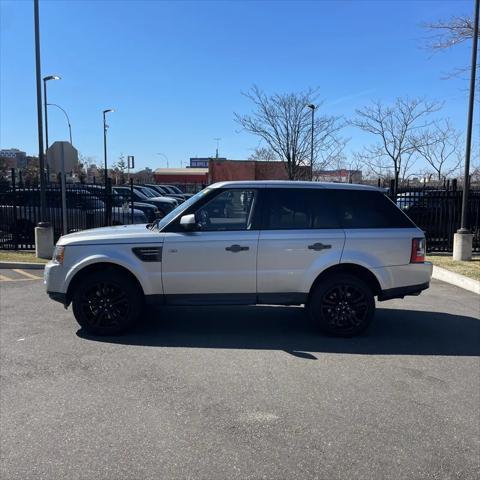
240,393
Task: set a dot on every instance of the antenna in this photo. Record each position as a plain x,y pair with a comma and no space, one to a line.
216,151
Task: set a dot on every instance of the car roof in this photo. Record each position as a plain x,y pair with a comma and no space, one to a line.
293,184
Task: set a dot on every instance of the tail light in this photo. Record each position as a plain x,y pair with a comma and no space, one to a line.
418,250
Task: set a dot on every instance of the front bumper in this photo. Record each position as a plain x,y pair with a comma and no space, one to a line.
54,278
58,297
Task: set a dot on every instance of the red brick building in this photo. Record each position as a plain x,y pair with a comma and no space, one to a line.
227,170
182,176
221,170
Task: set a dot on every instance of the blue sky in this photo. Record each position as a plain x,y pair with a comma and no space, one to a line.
174,71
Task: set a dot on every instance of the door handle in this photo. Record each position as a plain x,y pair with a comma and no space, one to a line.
236,248
319,246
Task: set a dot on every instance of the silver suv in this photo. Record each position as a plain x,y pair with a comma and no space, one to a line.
330,247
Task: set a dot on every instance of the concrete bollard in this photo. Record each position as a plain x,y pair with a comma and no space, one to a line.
462,246
44,240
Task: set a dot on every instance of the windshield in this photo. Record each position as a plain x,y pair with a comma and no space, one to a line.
181,208
175,189
140,194
149,192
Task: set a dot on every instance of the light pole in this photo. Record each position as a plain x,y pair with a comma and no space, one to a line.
45,80
105,126
41,158
462,244
66,116
312,107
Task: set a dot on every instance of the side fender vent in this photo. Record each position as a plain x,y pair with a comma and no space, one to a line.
148,254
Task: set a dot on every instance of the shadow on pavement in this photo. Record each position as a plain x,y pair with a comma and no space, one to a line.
394,332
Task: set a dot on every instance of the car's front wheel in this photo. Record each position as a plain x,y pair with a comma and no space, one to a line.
107,303
342,305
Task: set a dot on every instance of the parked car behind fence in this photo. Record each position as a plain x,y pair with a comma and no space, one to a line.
20,212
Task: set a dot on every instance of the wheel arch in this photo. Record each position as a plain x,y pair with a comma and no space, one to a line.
102,265
353,269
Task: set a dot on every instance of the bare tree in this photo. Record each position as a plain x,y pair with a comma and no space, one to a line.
445,34
397,129
440,147
119,168
143,176
263,154
283,122
451,32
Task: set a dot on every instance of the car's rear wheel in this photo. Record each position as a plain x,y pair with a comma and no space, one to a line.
107,303
342,305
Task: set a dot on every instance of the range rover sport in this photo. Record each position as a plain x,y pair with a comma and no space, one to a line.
330,247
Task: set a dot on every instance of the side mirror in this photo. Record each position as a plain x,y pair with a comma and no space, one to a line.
188,222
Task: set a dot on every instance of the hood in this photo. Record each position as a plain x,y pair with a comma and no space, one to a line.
164,200
142,205
110,235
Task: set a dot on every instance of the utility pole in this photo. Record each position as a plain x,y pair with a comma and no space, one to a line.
312,107
216,151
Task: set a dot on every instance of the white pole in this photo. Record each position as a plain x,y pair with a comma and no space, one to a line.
64,194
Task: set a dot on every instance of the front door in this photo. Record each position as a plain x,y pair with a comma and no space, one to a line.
216,262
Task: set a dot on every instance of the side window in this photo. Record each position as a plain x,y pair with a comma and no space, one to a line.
229,210
301,208
369,209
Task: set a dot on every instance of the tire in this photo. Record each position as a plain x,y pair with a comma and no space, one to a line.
107,303
342,305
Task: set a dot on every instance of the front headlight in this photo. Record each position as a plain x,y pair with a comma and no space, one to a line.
58,254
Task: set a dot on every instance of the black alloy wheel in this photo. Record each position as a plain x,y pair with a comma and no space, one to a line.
342,305
107,303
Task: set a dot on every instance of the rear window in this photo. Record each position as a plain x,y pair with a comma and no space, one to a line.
303,208
369,209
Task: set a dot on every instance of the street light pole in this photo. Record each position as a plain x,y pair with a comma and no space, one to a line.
468,144
41,159
66,116
462,247
312,107
45,80
105,126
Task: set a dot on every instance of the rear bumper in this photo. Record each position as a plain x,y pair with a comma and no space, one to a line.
401,292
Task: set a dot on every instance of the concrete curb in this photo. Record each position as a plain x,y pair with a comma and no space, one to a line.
24,265
456,279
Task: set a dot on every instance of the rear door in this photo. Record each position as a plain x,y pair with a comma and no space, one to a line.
300,236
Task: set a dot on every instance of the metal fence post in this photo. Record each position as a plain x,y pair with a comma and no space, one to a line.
131,200
108,201
14,202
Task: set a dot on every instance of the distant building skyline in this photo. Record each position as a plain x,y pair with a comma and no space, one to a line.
15,158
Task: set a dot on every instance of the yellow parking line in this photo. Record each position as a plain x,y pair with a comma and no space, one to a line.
26,274
3,278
